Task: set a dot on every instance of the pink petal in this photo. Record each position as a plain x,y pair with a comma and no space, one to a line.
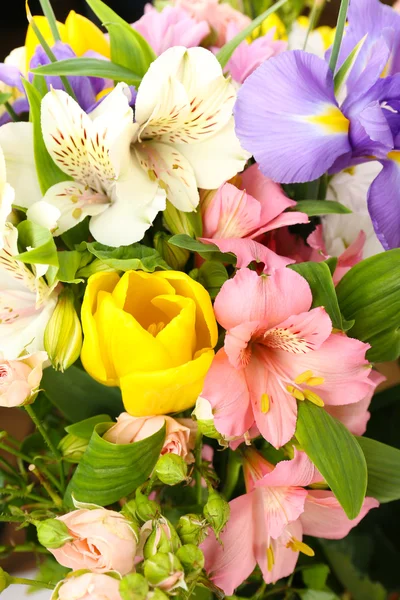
301,333
350,257
247,251
226,389
267,299
324,517
230,563
236,343
278,424
296,472
276,507
285,558
283,220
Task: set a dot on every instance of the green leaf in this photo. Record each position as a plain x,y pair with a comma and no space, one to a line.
341,22
90,67
84,429
370,294
128,258
76,235
323,291
315,577
212,275
108,472
318,595
226,51
128,47
344,71
383,463
336,454
69,263
78,396
4,97
47,171
44,250
206,251
314,208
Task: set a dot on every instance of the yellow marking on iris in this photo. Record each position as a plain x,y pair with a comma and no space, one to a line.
298,546
270,558
314,398
332,121
394,155
264,403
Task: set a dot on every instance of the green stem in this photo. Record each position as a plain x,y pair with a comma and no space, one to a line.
52,494
50,16
314,14
11,112
341,22
232,476
31,582
52,447
34,548
21,494
11,473
198,459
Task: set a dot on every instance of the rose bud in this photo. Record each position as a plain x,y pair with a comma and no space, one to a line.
192,529
191,558
20,379
205,420
53,533
145,509
161,537
164,571
171,469
72,447
134,587
88,586
216,511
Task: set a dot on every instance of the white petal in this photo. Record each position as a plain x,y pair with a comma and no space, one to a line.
170,113
173,171
62,197
217,159
45,214
16,140
113,115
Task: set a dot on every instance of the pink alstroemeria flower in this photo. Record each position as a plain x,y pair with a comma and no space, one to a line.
236,215
172,26
277,351
267,524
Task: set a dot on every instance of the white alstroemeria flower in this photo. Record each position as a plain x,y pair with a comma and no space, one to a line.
108,183
6,197
26,303
350,187
186,135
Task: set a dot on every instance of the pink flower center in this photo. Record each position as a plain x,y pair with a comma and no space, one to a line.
5,374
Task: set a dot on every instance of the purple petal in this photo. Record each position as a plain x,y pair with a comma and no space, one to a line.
20,106
384,203
11,75
287,117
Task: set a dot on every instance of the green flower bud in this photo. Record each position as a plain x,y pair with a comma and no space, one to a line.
205,420
145,509
177,221
164,571
63,334
163,538
157,594
191,558
171,469
133,587
53,533
216,511
5,580
192,529
72,447
176,257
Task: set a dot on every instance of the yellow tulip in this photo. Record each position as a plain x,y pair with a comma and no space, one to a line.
151,334
78,31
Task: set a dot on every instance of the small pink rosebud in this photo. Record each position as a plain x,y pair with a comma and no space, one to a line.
20,379
89,586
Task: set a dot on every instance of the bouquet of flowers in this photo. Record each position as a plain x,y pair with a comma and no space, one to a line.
199,271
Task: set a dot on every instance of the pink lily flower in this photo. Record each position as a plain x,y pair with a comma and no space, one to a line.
277,352
236,215
267,524
172,26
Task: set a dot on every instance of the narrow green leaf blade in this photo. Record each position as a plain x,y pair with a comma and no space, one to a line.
383,464
344,71
226,51
207,251
314,208
91,67
128,258
336,454
108,472
84,429
370,294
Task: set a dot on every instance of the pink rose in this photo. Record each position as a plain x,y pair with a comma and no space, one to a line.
179,438
103,541
20,378
89,586
219,16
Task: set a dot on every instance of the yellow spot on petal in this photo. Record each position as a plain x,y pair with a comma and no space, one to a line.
74,199
264,403
303,377
298,546
394,155
314,398
332,120
77,213
270,558
315,381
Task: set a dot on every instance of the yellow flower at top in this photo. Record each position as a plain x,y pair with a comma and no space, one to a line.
327,33
77,31
273,21
151,334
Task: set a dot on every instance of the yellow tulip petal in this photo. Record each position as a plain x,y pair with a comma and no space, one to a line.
134,293
31,41
83,35
179,334
206,325
91,355
162,392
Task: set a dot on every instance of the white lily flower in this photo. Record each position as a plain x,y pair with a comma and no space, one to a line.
186,135
26,303
350,188
6,197
108,184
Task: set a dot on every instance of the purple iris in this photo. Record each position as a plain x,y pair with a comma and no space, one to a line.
287,115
